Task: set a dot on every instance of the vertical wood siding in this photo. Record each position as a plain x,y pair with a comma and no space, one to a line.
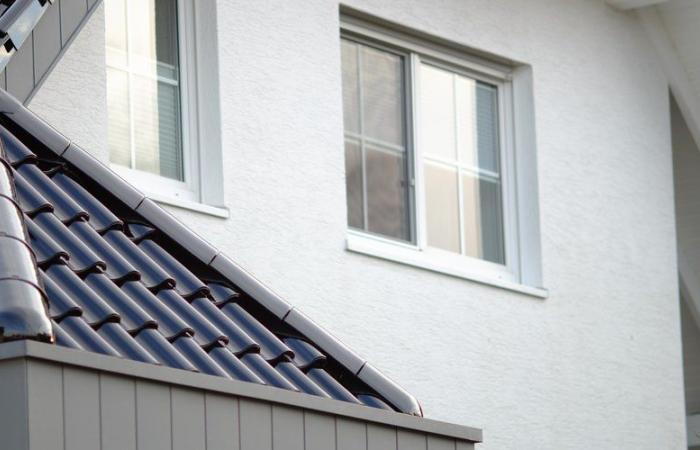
32,62
80,409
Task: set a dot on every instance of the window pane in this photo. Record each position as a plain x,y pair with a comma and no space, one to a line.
118,116
142,48
351,91
437,112
466,121
442,207
353,184
377,187
482,219
382,95
115,32
153,36
386,193
157,136
487,126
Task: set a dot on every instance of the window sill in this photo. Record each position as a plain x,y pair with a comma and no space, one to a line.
412,256
189,205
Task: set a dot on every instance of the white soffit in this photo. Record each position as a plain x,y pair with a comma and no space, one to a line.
632,4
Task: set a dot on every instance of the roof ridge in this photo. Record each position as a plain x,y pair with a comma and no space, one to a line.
39,132
23,312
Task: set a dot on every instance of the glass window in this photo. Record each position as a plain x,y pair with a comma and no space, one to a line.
457,129
376,159
459,143
143,86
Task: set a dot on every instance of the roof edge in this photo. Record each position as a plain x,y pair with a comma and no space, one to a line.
205,252
94,361
23,312
17,23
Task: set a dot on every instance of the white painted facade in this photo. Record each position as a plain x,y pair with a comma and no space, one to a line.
598,363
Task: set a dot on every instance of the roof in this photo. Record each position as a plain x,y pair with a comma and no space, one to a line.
90,263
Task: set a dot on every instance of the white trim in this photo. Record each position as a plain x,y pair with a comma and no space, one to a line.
215,211
479,271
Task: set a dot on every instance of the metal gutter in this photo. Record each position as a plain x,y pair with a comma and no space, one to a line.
94,361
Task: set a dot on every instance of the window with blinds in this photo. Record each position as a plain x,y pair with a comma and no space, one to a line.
143,86
423,151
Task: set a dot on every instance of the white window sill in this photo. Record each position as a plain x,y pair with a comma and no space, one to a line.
412,256
189,205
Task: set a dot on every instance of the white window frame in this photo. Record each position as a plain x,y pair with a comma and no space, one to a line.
522,269
202,187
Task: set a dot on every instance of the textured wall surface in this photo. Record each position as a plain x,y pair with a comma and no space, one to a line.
598,363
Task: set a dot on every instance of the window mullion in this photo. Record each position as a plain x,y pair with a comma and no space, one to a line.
363,151
417,158
129,88
460,189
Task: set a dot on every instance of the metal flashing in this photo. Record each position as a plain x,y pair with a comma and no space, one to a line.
99,172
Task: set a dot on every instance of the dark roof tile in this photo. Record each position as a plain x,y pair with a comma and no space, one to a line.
221,293
198,357
132,316
65,208
205,332
81,259
31,200
122,341
46,249
86,337
186,284
152,275
101,218
163,350
96,311
124,278
305,354
271,347
169,323
117,267
239,341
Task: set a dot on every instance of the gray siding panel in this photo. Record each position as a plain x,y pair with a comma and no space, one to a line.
20,73
14,431
380,437
287,428
31,64
222,422
47,41
65,407
255,425
465,446
410,440
117,413
153,426
45,405
187,411
440,443
319,430
81,403
352,434
72,13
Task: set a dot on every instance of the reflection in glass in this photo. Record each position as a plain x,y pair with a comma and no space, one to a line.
143,86
442,207
459,134
375,142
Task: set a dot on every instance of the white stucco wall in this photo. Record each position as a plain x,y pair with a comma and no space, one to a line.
598,363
